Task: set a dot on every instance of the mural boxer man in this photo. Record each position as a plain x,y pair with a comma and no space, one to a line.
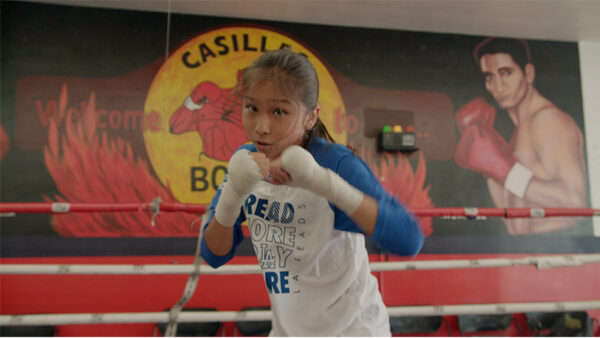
543,164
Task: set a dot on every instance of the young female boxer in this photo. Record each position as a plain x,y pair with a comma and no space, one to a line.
308,203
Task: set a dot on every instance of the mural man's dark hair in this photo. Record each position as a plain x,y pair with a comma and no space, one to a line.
517,48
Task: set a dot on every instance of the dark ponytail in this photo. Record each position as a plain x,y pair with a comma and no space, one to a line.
318,130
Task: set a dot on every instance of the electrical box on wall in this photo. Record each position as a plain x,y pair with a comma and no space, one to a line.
397,139
398,132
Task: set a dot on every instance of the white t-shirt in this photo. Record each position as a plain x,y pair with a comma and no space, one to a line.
317,277
313,256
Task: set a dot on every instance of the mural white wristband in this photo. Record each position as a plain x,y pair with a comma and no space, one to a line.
518,179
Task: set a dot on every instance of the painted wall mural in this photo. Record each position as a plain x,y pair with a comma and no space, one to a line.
119,113
103,106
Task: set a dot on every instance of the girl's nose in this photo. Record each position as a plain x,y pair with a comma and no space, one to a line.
263,124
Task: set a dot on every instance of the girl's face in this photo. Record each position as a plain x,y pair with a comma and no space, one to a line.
274,121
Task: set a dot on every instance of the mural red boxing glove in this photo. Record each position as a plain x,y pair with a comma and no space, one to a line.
483,150
476,111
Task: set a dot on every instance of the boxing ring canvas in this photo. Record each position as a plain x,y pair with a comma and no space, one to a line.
101,106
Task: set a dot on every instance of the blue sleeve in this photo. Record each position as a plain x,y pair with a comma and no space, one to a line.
210,258
396,229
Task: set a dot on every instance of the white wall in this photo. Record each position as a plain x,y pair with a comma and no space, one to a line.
589,54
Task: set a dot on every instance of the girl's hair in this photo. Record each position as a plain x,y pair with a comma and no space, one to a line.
295,76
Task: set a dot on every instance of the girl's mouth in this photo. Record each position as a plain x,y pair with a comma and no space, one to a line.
261,146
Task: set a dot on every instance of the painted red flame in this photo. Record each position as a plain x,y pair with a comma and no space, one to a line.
406,185
91,168
4,142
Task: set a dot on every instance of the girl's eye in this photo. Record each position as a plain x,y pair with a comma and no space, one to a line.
279,112
250,108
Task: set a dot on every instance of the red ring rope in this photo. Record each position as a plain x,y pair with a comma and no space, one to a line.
59,208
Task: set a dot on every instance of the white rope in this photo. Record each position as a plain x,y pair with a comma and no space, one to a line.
541,262
122,269
488,309
190,287
262,315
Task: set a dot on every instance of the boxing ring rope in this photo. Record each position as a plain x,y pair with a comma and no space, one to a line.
62,208
8,209
261,315
156,206
541,262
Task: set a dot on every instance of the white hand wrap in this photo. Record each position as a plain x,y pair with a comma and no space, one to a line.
243,174
518,179
306,173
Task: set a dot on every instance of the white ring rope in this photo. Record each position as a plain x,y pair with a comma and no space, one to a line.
263,315
188,291
541,262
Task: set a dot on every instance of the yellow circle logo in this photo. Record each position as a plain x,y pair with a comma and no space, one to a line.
199,121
